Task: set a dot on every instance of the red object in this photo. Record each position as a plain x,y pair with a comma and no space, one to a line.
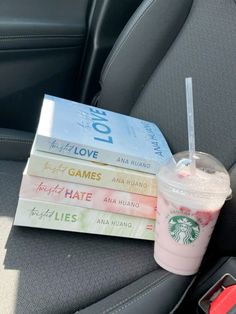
224,301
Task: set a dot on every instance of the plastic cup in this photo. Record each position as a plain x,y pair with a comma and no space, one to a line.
187,210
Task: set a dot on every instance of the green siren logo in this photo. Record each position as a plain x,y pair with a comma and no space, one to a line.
183,229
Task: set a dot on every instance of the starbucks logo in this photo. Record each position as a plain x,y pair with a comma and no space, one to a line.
183,229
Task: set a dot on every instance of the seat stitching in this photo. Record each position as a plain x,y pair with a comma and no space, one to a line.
136,293
138,298
2,140
30,36
15,139
158,281
126,39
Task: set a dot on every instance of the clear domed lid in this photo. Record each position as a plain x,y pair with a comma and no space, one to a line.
210,177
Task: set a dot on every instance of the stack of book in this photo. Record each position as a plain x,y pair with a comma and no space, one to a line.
92,170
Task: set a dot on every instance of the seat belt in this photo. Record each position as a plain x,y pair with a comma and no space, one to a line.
221,297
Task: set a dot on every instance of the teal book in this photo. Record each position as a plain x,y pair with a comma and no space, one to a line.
90,133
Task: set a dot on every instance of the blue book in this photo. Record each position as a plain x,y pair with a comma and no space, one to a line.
85,132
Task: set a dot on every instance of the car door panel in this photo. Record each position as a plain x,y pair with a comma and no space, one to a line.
41,47
28,75
34,21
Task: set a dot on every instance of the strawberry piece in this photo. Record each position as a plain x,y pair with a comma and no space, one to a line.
203,217
185,210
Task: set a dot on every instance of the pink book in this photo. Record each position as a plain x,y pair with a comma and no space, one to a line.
48,190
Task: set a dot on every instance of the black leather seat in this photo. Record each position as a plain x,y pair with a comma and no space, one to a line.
45,271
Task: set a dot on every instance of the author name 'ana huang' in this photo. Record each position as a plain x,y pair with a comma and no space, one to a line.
134,163
114,223
136,183
153,137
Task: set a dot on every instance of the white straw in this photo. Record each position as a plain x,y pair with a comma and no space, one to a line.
190,116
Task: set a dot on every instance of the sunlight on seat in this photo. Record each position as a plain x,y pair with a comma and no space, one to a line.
9,278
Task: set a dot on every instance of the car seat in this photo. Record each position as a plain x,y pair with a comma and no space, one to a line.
45,271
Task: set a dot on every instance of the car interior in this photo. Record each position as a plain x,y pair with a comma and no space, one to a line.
130,57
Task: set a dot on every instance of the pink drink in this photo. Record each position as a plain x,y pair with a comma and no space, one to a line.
187,210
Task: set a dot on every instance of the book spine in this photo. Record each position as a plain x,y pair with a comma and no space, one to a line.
64,148
45,215
92,174
49,190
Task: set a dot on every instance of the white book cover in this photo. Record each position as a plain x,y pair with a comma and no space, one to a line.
86,132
